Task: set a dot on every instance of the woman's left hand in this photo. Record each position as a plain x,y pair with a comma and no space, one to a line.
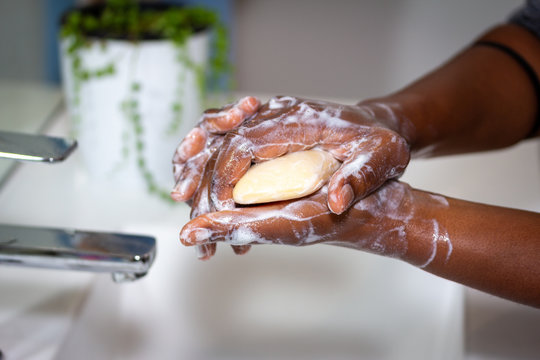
196,150
379,223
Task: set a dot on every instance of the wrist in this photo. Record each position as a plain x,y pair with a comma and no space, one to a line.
397,221
403,113
428,241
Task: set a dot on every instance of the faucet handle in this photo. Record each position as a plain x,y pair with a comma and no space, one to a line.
40,148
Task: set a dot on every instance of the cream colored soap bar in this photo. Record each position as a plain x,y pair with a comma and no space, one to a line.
288,177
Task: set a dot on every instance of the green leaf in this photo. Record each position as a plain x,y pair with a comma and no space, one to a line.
176,107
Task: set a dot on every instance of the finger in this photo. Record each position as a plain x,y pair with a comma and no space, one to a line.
232,163
191,172
202,205
241,249
205,252
226,119
300,222
189,178
201,200
191,145
249,105
367,168
212,227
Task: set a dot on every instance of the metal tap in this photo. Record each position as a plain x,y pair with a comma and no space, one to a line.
126,257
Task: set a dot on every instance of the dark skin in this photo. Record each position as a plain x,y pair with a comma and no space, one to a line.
480,100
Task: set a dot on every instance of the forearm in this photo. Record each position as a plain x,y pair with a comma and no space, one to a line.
493,249
482,99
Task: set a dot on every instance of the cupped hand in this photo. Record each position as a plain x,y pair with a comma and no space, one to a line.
376,224
359,136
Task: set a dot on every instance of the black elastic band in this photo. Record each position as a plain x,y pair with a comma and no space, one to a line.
530,73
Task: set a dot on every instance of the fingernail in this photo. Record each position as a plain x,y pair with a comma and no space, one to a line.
181,151
234,117
194,237
249,104
202,252
241,249
180,190
176,196
199,235
344,199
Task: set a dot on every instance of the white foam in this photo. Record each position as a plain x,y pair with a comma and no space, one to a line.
244,236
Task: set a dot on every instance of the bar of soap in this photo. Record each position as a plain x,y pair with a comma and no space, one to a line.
288,177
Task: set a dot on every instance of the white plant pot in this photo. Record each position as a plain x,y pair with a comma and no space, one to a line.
106,131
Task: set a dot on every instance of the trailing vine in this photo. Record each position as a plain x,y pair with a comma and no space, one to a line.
131,110
128,20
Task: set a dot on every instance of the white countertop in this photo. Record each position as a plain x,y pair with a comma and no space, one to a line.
316,302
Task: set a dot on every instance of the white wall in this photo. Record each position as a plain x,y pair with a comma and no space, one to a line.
352,49
22,40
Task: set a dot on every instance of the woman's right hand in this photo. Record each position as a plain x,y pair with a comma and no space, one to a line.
366,138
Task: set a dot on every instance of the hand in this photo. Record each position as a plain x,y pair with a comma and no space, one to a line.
201,142
197,148
380,224
359,136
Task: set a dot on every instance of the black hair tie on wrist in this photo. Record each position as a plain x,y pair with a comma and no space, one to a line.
530,73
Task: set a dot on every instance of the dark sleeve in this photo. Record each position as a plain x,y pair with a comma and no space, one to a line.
528,16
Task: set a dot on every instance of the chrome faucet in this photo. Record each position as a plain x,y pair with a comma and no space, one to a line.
39,148
126,257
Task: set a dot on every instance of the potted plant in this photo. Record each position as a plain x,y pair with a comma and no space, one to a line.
134,77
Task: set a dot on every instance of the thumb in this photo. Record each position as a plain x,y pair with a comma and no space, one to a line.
365,170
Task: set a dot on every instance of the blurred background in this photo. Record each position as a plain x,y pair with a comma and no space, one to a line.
311,303
344,48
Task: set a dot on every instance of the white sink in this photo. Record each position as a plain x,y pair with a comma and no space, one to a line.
37,309
315,302
275,302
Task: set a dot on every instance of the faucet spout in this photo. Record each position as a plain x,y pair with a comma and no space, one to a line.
126,257
40,148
